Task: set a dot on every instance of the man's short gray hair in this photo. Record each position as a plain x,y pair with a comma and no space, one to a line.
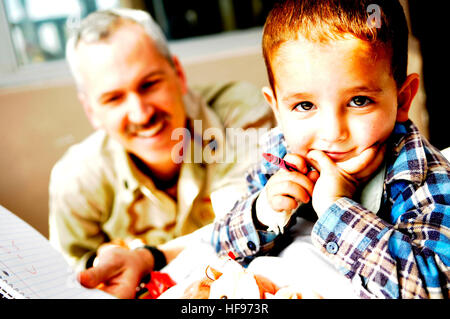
100,25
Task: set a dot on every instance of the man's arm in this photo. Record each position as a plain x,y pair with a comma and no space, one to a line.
118,270
78,204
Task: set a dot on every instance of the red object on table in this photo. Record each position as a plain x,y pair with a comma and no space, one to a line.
159,282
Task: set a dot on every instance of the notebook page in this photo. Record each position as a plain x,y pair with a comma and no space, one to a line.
32,267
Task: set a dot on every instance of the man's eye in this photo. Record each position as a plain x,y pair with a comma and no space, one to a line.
360,101
111,99
148,85
303,106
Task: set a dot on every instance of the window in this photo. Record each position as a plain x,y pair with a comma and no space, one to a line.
38,29
35,31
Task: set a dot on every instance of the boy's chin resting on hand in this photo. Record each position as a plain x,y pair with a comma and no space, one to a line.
342,179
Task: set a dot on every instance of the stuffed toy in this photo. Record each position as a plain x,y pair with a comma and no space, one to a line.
232,281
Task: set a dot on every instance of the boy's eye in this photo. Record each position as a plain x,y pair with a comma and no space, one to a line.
303,106
360,101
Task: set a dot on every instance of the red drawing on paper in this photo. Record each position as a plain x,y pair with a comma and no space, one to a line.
17,248
32,271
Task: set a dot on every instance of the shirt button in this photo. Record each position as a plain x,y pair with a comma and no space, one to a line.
251,245
332,247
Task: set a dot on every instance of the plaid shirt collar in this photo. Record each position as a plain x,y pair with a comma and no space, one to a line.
408,155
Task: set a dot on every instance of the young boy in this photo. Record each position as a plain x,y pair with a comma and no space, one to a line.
380,192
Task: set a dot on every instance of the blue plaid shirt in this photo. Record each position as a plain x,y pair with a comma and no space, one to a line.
401,252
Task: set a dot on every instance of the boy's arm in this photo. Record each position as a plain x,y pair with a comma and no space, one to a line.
406,259
239,232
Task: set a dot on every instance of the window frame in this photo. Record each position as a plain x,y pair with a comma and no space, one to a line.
189,50
12,74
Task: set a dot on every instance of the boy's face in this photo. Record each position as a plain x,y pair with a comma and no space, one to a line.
339,97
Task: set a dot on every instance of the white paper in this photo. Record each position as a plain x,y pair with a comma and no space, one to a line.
31,268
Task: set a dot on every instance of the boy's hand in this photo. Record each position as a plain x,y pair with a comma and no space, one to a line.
342,179
285,190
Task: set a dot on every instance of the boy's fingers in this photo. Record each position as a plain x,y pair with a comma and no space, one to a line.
298,161
313,176
374,164
295,177
358,163
320,161
291,189
281,203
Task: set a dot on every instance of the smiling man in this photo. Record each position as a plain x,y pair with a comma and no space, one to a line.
122,182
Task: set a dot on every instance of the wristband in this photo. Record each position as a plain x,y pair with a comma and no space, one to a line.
90,261
159,259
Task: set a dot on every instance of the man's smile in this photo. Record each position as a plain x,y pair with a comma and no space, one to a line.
152,128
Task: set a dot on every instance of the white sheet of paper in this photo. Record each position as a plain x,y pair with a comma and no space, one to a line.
31,268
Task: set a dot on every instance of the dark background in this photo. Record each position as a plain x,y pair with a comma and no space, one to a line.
430,24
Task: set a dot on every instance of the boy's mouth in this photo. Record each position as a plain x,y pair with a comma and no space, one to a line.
337,156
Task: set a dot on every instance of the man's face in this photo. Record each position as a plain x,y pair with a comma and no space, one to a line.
133,93
338,97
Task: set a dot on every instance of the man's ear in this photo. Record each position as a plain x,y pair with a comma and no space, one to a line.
271,99
180,73
84,100
406,95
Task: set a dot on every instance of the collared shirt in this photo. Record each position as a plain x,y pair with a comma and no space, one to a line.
98,194
401,251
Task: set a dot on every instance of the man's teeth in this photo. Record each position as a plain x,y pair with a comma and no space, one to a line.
151,131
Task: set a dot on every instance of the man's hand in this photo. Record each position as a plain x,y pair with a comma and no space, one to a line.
342,179
117,270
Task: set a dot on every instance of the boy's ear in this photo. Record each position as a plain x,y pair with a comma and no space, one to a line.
406,95
271,99
82,97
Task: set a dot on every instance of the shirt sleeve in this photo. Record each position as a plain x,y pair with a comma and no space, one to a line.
407,258
236,232
77,207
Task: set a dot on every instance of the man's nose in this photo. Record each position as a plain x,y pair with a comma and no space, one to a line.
333,127
138,111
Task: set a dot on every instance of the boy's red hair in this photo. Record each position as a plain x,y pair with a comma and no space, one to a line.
325,20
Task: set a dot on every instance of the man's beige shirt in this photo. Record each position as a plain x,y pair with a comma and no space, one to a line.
97,194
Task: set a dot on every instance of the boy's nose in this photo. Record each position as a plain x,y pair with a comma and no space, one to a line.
138,111
333,128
